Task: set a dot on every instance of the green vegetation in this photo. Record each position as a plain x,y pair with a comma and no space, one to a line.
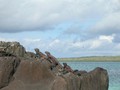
92,59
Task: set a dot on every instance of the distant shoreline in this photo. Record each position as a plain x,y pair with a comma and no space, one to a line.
92,59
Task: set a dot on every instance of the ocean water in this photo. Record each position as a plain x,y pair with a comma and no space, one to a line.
113,69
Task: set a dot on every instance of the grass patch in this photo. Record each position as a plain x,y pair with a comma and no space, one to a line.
92,59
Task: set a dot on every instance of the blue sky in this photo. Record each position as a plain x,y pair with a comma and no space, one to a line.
66,28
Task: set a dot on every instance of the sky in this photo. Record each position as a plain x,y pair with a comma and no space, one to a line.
66,28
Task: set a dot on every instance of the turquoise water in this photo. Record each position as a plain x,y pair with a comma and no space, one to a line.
113,69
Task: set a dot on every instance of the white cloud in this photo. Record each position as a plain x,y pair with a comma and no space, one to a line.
54,43
102,45
95,44
102,41
7,39
107,38
32,40
110,24
117,47
25,15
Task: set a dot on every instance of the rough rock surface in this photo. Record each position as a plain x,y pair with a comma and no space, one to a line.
95,80
35,74
8,66
15,48
31,75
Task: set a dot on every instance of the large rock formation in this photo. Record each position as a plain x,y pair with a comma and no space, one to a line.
35,74
15,48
